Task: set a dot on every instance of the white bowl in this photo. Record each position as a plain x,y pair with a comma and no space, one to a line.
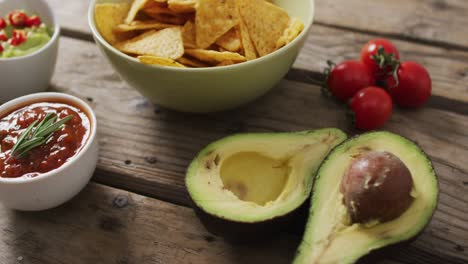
31,73
55,187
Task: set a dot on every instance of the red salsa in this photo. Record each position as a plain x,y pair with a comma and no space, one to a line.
60,147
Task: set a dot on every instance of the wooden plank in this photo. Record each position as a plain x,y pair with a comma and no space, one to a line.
146,149
436,21
448,68
72,15
106,225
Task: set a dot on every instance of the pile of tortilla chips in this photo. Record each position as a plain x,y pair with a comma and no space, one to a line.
196,33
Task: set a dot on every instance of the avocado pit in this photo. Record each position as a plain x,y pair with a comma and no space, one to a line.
376,186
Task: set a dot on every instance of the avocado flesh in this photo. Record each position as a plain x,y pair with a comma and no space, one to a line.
246,173
251,178
330,237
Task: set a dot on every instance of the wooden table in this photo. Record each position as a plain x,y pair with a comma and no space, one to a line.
136,208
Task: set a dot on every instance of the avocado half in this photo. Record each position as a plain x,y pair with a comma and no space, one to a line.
256,178
330,235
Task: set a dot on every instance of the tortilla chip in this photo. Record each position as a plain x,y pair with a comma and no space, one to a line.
294,29
214,32
213,56
141,25
166,43
153,60
191,62
225,63
107,16
155,8
213,19
171,19
137,5
152,3
188,35
230,41
182,6
265,23
247,45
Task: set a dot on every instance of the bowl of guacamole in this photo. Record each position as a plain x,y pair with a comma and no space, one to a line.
22,34
29,36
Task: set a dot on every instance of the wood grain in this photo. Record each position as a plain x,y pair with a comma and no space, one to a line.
432,21
146,149
106,225
448,67
72,15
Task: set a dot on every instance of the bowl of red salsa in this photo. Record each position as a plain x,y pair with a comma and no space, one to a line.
48,150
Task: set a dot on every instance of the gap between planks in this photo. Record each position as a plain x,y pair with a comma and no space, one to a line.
314,77
435,101
415,40
77,34
81,32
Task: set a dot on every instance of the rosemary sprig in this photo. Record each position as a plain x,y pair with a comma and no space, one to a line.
37,134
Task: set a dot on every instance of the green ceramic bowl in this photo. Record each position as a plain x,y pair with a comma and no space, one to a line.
208,89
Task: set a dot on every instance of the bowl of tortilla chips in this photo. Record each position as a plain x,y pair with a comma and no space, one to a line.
201,55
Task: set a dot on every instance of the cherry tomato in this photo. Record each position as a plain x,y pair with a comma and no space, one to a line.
2,23
17,18
380,52
33,21
372,107
413,87
347,78
3,36
19,36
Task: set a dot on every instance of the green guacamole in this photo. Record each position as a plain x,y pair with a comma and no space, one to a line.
37,37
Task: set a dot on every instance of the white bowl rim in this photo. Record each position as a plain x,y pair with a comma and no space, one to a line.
52,40
82,105
277,52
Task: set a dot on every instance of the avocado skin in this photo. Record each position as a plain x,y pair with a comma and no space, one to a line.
294,222
380,253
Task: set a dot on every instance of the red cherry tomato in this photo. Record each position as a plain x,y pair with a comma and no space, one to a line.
2,23
19,37
347,78
414,85
388,57
33,21
17,18
3,36
372,107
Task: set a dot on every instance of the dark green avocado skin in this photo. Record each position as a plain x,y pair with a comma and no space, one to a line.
390,250
293,222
